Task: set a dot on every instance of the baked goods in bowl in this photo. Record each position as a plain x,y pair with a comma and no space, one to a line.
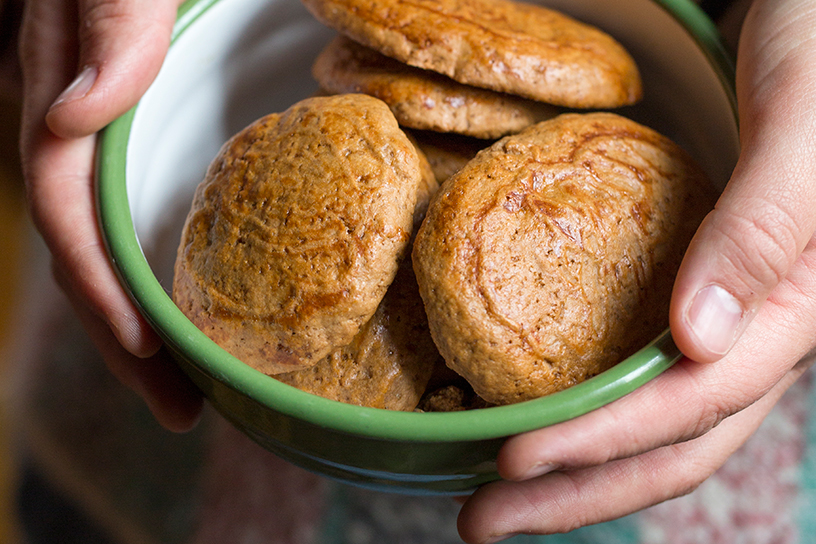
297,231
233,61
551,255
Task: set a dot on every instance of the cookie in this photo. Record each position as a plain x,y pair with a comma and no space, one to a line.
551,256
506,46
451,398
387,364
447,391
422,99
297,230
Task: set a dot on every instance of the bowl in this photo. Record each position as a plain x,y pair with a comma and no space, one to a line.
232,61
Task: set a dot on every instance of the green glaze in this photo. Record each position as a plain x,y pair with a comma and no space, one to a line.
447,453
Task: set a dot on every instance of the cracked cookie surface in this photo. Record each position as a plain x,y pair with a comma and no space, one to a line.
390,360
551,256
297,231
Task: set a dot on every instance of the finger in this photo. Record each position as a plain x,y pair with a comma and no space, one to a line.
59,175
172,398
764,218
48,57
687,400
122,44
563,501
61,198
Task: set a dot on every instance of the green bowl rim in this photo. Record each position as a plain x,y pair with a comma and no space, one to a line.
181,335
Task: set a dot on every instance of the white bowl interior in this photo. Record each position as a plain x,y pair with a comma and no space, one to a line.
242,59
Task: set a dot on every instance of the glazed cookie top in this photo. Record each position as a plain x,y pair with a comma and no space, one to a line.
297,230
551,255
422,99
506,46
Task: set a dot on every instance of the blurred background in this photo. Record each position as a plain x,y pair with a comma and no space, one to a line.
13,224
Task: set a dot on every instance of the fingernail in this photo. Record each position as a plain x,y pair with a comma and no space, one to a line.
499,538
715,316
539,470
79,87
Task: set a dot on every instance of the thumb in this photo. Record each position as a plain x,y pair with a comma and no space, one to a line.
765,217
122,46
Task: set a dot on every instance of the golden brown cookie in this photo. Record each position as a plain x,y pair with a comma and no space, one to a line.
297,230
388,363
452,398
447,391
422,99
446,399
507,46
551,255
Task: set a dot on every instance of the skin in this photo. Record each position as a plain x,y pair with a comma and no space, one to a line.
657,443
123,43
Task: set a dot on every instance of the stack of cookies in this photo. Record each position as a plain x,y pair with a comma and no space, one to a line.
477,68
440,230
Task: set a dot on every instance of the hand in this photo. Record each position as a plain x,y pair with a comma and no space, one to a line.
112,51
743,312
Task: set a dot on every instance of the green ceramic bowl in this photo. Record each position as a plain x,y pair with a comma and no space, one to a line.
232,61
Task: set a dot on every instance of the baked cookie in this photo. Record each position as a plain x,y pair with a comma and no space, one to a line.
447,391
422,99
551,256
451,398
506,46
387,364
297,230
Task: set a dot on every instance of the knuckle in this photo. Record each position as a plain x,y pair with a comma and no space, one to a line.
100,17
711,414
99,11
735,391
761,244
110,28
702,411
688,478
631,439
566,507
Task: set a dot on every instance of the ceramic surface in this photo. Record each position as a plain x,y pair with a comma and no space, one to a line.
233,61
